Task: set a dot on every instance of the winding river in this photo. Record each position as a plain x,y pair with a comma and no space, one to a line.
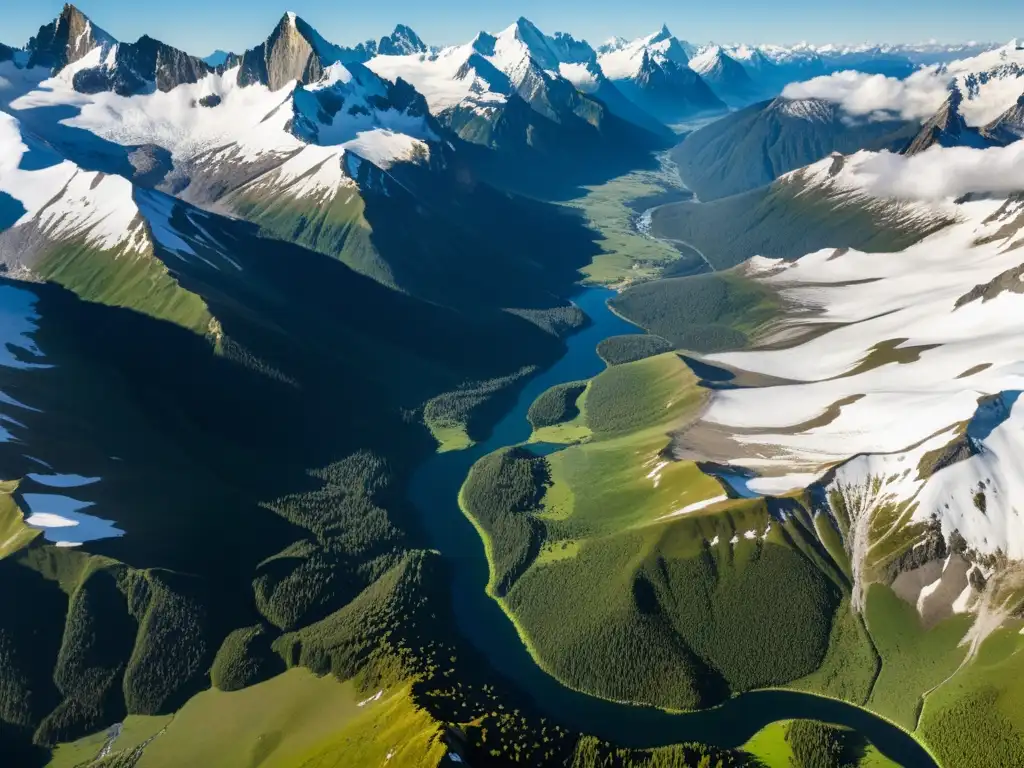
434,492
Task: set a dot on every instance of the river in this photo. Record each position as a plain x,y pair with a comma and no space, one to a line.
434,491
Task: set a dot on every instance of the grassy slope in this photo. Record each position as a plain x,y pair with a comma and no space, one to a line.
770,748
611,576
913,660
977,718
14,534
135,281
295,719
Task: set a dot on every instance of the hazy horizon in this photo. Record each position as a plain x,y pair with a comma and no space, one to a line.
203,28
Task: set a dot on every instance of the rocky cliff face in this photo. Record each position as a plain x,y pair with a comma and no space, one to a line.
288,54
139,66
66,40
947,128
1009,126
401,42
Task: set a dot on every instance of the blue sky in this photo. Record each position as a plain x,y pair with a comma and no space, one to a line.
199,26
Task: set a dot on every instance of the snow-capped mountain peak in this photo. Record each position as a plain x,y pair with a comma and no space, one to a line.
625,60
66,40
708,59
520,46
402,42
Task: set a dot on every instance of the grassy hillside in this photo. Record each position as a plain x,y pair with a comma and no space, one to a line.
294,719
606,568
138,281
975,718
778,222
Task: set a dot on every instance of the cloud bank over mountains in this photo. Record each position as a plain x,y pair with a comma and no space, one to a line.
877,96
940,173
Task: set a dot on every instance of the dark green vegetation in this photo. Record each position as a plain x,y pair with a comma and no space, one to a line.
591,753
819,745
703,313
756,145
245,658
710,623
258,472
913,659
778,222
504,492
556,404
617,350
975,719
446,249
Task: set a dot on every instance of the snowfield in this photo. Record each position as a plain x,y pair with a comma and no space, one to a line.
921,338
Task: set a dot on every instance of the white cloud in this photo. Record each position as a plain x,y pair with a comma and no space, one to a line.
938,173
861,95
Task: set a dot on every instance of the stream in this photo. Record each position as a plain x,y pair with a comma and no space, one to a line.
434,492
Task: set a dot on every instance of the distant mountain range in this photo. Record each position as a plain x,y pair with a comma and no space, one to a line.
983,106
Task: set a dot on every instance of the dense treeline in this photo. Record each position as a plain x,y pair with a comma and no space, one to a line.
99,638
973,731
703,313
581,616
762,622
817,745
558,321
616,350
34,610
616,401
592,753
707,626
245,658
364,638
555,405
473,405
501,493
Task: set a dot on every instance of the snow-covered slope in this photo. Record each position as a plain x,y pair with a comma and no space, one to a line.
947,128
894,357
727,77
623,59
60,201
991,81
289,96
1009,126
477,79
654,73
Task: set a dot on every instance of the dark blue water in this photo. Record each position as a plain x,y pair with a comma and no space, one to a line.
434,491
10,211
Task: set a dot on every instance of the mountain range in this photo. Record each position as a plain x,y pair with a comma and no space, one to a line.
976,102
278,327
